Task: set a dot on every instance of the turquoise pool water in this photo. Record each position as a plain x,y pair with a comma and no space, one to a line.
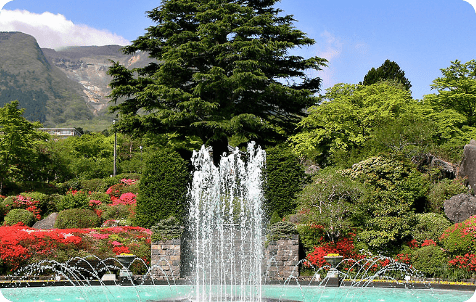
305,293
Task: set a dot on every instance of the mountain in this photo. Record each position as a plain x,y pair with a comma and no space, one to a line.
43,90
88,65
58,87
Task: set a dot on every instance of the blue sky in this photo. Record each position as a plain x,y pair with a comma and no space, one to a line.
422,36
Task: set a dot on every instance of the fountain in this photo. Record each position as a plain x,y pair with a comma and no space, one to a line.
227,245
226,223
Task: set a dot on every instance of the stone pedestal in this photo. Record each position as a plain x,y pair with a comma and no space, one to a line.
165,259
281,258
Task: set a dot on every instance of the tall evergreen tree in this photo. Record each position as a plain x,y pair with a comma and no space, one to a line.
223,72
388,71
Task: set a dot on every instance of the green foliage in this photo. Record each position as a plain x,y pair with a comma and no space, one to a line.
431,260
284,180
74,200
167,229
430,226
3,211
19,215
444,190
93,185
281,230
102,197
275,218
389,70
310,235
18,142
395,189
456,90
77,218
458,239
117,212
162,189
330,200
46,203
220,75
346,117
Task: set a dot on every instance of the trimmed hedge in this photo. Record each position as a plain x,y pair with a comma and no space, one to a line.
77,218
162,189
20,215
285,178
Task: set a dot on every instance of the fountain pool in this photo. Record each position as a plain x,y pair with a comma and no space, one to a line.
149,293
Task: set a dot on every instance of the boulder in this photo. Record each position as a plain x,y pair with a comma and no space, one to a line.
468,164
460,207
428,161
47,223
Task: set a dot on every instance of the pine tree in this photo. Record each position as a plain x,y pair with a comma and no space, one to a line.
222,72
388,71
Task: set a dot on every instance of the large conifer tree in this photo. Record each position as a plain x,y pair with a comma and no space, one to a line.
223,70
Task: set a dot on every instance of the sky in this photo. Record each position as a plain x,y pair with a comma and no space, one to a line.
421,36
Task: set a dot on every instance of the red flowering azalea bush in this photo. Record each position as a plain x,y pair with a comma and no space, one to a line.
460,238
343,247
20,245
23,202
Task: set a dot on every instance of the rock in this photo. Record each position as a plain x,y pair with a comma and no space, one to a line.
460,207
468,164
428,161
448,170
47,223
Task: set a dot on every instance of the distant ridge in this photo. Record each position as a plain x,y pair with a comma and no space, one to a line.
42,89
58,86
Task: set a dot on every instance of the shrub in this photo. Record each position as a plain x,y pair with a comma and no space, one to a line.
77,218
444,190
395,188
310,235
162,189
430,226
330,200
116,212
281,230
458,239
285,178
93,185
3,212
45,203
74,200
102,197
431,260
20,215
23,202
166,229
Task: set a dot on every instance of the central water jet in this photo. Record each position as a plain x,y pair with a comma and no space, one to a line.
226,223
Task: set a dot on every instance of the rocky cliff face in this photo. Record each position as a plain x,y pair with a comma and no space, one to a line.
42,89
88,66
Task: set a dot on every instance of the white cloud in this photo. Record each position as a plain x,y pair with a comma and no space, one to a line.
330,48
55,31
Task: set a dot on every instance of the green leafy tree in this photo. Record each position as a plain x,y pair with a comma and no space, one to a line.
331,201
388,71
18,141
387,215
456,90
222,71
347,117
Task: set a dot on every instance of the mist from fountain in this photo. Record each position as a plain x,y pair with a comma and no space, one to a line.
226,223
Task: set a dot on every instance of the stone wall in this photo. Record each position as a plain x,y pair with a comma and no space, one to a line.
165,255
281,258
